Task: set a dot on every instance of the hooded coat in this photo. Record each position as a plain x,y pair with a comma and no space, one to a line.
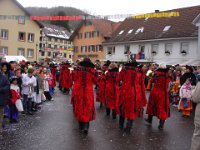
65,77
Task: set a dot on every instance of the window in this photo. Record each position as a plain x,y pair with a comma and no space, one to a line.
184,48
110,50
65,55
83,49
21,52
75,49
80,35
126,49
168,48
4,34
56,40
87,34
139,30
95,34
98,48
55,47
22,36
30,53
49,54
42,53
30,37
49,45
154,49
4,50
49,39
21,19
91,48
70,56
166,28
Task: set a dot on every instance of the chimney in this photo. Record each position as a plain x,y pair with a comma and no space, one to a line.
157,11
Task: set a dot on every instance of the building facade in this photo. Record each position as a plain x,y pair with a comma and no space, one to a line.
18,34
88,38
55,44
172,40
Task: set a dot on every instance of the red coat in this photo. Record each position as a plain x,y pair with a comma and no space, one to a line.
140,88
158,104
129,101
15,94
65,77
112,90
53,72
101,82
82,97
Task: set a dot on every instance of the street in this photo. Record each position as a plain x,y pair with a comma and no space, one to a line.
54,128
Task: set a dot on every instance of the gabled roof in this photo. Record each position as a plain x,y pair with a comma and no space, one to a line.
152,28
105,27
196,19
56,31
26,12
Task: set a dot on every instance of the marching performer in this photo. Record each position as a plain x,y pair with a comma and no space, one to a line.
158,104
112,90
82,97
128,100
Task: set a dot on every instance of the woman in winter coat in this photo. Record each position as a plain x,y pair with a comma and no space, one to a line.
196,99
158,104
112,90
82,97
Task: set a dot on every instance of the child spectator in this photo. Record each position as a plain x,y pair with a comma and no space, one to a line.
15,95
185,96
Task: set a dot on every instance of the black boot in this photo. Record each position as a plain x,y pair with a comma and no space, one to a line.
161,125
121,122
114,116
101,105
107,111
129,126
149,119
81,126
86,127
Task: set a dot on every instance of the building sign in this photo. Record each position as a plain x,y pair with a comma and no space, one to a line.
90,56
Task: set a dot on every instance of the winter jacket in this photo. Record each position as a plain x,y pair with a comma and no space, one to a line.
196,136
4,89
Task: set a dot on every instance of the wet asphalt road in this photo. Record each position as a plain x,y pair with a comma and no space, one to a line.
54,128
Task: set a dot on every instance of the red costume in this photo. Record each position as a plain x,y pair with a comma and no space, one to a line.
158,104
53,72
65,77
82,93
129,102
140,89
112,89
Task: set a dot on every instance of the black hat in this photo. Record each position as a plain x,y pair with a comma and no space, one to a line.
87,63
190,68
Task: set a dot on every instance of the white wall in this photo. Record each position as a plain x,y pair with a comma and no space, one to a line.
175,57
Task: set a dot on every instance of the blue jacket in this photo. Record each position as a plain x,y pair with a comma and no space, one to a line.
4,90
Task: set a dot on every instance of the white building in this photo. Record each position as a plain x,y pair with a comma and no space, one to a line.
197,23
171,40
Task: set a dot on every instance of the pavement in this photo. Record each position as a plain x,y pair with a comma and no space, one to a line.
54,128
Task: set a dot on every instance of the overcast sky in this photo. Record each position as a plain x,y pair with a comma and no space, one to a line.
112,7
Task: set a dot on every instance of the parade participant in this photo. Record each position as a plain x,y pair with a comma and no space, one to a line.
82,97
112,90
196,99
14,96
158,104
53,72
4,96
28,84
188,74
66,78
149,76
140,89
128,102
50,82
185,96
101,82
